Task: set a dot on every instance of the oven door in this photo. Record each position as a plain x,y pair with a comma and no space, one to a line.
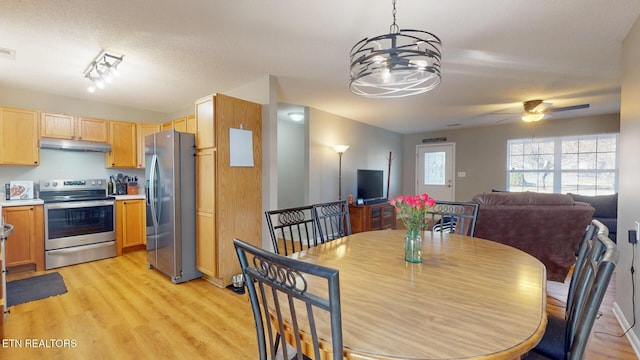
76,223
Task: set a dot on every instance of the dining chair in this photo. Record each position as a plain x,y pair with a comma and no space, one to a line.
332,219
292,229
589,248
568,338
453,217
282,291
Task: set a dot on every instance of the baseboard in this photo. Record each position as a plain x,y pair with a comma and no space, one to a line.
624,324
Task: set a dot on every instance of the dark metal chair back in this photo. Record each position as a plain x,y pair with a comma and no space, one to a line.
292,229
453,217
589,248
597,273
333,220
284,291
568,338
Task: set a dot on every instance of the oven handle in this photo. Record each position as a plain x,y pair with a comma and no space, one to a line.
153,202
79,204
80,248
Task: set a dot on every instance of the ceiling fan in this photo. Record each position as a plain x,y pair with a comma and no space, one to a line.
535,110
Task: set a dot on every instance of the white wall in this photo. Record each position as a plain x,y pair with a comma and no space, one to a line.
291,164
63,164
482,152
629,184
369,149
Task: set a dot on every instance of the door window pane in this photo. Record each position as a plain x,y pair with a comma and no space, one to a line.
434,166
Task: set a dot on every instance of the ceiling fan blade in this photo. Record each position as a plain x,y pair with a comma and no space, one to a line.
566,108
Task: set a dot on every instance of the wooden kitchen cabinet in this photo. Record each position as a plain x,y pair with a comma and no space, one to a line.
130,225
228,198
57,126
180,124
192,127
142,131
124,145
167,126
205,133
206,261
60,126
90,129
19,137
185,124
26,245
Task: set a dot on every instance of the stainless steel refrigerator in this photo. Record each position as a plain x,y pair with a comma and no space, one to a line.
171,209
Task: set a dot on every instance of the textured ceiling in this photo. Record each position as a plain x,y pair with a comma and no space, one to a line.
496,53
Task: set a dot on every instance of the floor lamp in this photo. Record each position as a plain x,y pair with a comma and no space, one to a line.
340,149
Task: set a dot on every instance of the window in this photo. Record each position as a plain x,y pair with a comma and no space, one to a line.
584,165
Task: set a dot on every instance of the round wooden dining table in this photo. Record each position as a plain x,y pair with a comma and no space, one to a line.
470,298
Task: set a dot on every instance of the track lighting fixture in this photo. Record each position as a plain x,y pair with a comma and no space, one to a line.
102,70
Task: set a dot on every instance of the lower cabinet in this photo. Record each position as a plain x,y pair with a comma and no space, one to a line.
130,225
372,217
26,245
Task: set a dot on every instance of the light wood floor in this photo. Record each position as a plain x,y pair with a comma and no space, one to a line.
118,309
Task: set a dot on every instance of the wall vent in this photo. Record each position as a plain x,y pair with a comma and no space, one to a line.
8,53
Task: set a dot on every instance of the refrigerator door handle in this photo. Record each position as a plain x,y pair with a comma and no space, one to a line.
153,192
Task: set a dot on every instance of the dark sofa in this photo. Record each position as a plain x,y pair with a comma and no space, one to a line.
547,226
606,210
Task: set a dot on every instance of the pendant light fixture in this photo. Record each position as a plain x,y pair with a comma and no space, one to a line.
401,63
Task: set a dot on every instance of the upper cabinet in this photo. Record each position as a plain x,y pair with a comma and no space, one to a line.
74,128
144,130
93,129
184,124
167,126
205,135
19,137
191,124
123,140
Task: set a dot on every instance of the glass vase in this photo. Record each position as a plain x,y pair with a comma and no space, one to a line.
413,246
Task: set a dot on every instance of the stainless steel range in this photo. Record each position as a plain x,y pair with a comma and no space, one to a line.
79,221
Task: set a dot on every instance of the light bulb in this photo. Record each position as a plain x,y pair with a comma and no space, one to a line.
114,71
91,89
100,84
107,78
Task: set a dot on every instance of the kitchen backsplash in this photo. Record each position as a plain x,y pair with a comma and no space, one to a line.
62,164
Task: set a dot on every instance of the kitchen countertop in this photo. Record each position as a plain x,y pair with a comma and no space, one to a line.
8,203
128,197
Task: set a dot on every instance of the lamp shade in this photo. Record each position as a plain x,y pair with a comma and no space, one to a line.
341,148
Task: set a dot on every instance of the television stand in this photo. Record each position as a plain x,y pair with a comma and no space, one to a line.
372,217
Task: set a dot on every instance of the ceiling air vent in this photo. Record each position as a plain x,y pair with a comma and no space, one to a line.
7,53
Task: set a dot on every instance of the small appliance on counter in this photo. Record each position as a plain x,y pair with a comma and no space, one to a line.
19,190
121,184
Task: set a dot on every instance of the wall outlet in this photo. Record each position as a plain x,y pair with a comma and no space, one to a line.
633,236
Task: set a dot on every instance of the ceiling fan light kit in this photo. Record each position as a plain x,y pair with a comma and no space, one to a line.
532,117
536,110
401,63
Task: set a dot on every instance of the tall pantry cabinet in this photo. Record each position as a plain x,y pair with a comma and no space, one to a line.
228,198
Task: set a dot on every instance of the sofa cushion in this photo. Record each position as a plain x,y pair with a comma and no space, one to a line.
522,198
606,205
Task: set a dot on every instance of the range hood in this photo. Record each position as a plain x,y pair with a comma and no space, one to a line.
73,145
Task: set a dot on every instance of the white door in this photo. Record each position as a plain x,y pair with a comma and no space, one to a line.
434,171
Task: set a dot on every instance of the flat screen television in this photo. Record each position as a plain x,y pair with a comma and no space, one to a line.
370,185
